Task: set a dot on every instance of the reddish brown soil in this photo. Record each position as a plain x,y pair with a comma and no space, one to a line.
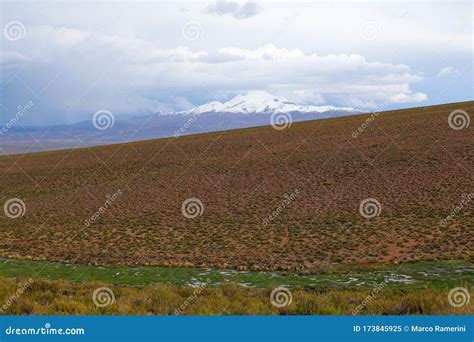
411,161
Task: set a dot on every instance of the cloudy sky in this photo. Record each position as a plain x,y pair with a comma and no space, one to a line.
134,58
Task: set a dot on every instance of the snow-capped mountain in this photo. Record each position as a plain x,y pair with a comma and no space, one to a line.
258,101
250,109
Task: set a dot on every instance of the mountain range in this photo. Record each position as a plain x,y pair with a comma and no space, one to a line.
258,101
249,109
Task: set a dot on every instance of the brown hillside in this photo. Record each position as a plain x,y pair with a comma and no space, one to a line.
411,161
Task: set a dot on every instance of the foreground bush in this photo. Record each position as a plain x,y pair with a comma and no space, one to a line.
43,297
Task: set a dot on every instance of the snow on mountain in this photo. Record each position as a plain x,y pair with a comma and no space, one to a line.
258,101
211,107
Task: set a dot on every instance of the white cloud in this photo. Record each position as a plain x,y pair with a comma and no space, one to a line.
309,52
169,78
407,97
307,96
238,11
267,52
311,78
448,72
10,59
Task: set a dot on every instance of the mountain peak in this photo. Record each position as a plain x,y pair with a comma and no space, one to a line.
257,101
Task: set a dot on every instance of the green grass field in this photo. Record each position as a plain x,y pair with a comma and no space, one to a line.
433,274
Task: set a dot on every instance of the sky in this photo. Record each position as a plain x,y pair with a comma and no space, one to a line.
71,59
